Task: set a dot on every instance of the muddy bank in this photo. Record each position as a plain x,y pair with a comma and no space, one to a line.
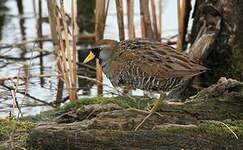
210,120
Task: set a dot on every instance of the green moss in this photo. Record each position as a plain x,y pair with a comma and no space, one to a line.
123,101
210,128
214,129
46,116
218,108
237,66
8,127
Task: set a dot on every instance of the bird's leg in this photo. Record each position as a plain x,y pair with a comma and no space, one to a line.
156,106
179,91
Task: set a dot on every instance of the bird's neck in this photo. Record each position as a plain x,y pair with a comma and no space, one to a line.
104,64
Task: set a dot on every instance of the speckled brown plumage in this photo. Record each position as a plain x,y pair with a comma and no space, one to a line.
147,65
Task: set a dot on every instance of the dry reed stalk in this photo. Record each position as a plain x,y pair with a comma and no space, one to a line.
160,3
74,33
99,78
14,104
53,26
180,25
183,10
13,93
63,70
100,17
62,58
154,19
130,19
142,20
146,27
119,12
67,44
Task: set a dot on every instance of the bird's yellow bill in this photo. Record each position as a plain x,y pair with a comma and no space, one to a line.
90,57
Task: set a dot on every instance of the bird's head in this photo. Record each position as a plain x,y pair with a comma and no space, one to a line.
103,52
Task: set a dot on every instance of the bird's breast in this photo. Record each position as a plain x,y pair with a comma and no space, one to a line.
130,75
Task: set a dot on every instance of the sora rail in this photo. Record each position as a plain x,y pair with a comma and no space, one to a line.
144,64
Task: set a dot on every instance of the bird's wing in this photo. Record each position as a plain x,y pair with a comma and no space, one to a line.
161,61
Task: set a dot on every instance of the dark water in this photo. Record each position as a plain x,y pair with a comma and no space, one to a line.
19,23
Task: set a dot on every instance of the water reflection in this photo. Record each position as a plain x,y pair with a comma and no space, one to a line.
40,36
21,52
21,18
86,16
31,59
3,10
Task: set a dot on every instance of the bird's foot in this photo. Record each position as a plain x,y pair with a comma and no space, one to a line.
156,106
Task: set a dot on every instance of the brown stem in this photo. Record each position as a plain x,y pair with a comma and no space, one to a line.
130,15
119,10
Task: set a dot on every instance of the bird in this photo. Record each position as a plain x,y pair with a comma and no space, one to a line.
145,64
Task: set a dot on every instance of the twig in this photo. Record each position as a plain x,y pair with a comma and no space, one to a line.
94,80
224,124
28,95
143,111
25,77
24,43
23,59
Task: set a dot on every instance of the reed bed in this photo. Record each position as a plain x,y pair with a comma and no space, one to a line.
65,53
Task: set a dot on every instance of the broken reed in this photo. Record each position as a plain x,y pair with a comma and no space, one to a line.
66,57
